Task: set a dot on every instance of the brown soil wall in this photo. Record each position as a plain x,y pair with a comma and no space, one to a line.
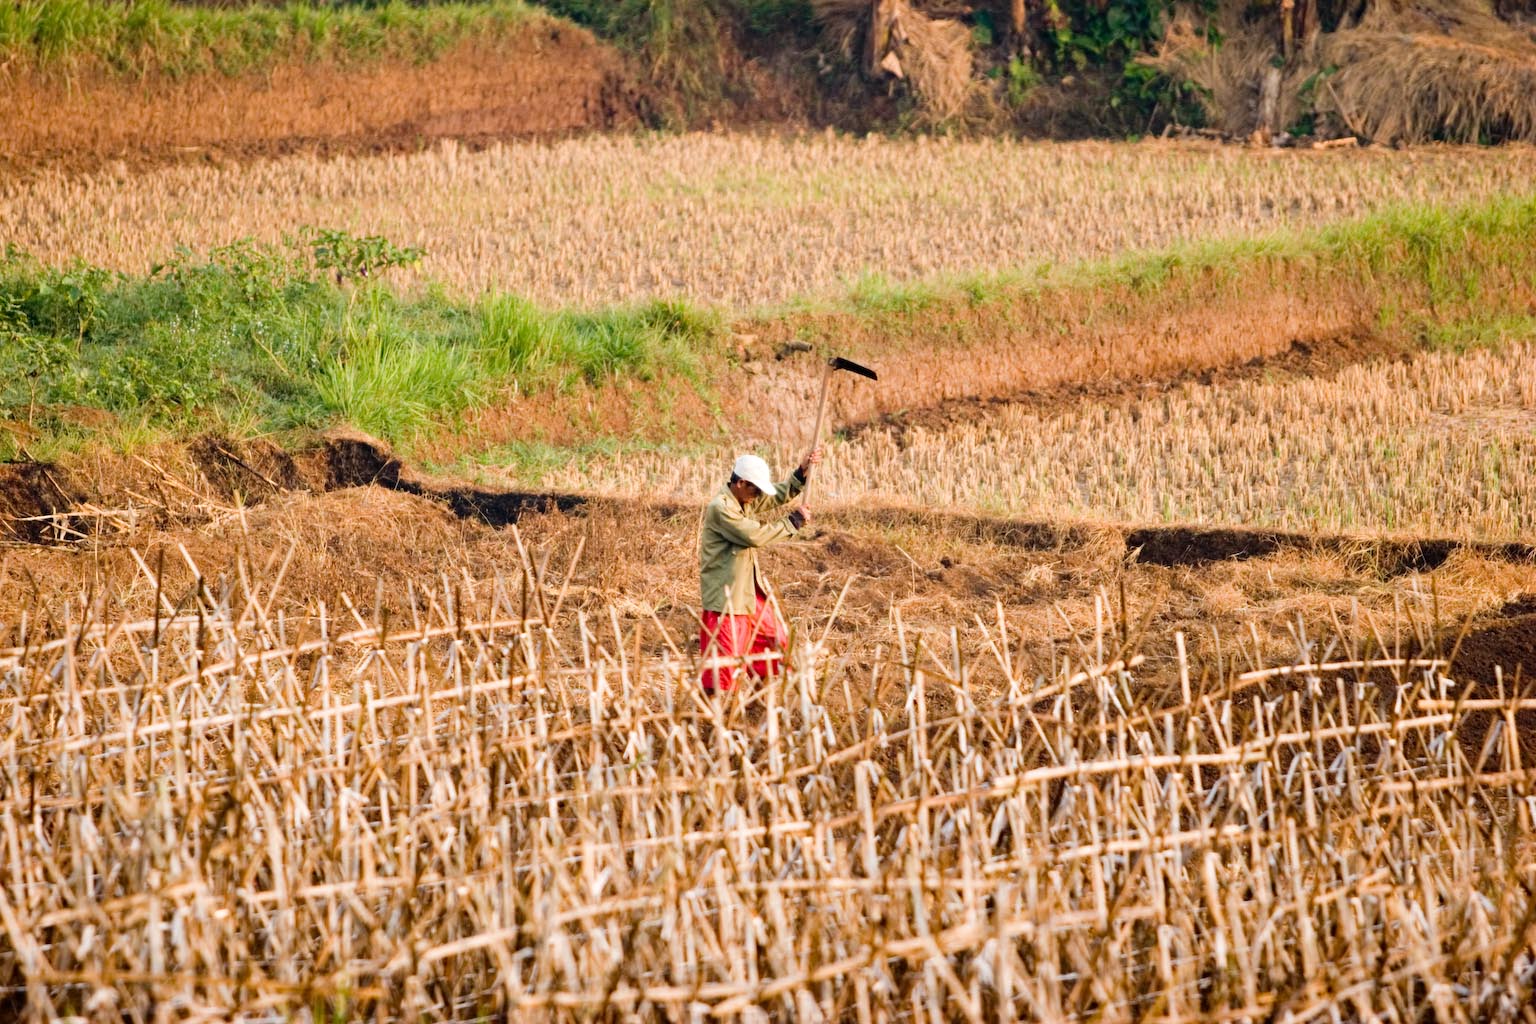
548,80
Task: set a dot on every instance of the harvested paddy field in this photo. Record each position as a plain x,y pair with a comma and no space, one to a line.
383,748
1159,647
1434,444
743,221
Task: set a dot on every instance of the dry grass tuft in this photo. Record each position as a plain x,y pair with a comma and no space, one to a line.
1461,74
934,54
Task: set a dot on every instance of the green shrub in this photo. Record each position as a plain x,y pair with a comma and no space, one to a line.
293,335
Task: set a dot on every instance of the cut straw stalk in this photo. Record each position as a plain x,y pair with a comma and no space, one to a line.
472,816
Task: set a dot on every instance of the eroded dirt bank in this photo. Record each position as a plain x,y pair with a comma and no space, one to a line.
547,80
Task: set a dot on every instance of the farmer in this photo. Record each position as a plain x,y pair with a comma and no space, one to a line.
738,622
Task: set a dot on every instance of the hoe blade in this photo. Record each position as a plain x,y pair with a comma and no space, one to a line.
839,363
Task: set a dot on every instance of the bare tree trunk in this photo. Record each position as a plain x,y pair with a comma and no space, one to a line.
881,13
1269,103
1287,27
1017,22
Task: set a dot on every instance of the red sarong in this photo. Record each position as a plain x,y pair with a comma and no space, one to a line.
724,640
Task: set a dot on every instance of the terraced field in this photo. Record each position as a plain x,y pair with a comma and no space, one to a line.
1159,643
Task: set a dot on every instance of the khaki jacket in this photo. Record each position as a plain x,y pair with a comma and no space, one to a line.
729,536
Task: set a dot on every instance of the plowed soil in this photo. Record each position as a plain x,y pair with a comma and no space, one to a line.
1507,645
348,518
550,80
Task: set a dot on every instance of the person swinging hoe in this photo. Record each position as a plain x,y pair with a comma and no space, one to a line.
738,622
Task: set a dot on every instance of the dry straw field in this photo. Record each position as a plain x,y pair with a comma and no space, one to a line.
1440,445
224,810
739,220
280,744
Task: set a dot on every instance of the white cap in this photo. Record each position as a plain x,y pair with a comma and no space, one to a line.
755,472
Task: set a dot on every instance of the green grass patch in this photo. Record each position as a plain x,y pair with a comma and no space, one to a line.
139,37
266,339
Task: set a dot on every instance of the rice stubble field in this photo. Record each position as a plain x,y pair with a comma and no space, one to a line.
1201,698
741,221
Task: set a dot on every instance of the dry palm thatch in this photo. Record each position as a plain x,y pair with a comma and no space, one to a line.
1407,72
1228,77
932,54
1415,74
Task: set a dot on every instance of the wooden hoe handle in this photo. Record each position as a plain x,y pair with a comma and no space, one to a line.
821,407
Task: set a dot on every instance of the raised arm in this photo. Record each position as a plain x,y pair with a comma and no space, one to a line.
744,531
785,490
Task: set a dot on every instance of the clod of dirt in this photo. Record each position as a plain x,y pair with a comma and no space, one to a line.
848,553
968,583
1176,546
33,496
1506,648
248,472
1523,604
350,458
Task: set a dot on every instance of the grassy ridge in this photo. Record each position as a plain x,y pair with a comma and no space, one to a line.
155,36
254,338
1440,252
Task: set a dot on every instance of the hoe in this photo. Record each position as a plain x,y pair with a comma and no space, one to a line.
834,364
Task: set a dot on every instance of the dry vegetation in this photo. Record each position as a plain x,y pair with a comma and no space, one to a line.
739,220
277,746
1439,445
1405,73
465,812
467,790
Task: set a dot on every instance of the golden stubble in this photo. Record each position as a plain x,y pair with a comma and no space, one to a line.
479,808
738,220
1438,445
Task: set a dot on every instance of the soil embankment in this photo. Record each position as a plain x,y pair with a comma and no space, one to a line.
348,519
956,362
547,80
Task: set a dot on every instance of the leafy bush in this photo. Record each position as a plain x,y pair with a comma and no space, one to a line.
351,257
1086,35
